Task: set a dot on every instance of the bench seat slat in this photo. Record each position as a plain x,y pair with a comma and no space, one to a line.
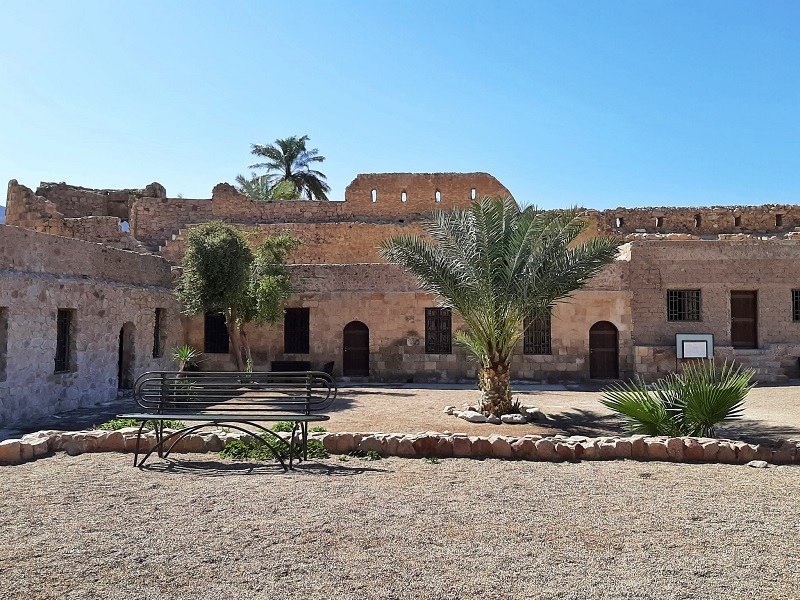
225,417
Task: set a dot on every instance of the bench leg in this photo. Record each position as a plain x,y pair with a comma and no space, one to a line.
291,445
138,441
304,427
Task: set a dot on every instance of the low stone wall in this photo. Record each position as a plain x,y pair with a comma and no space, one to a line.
431,445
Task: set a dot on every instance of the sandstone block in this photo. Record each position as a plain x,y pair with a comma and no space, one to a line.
481,448
444,447
346,443
675,449
462,447
546,450
10,452
405,447
692,449
524,449
726,453
215,444
762,452
624,449
371,443
472,416
500,447
638,447
607,450
113,442
590,451
565,451
710,450
744,452
392,442
656,449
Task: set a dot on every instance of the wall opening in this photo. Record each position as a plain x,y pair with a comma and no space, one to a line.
737,221
124,226
473,194
159,333
215,334
65,359
126,357
659,222
403,197
697,221
437,196
374,195
778,220
355,350
296,331
619,222
3,343
603,351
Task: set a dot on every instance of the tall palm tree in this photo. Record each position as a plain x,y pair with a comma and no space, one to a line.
495,264
289,160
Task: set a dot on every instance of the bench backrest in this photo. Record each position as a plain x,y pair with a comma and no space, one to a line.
254,393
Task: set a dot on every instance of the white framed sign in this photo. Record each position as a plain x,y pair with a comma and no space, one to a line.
694,345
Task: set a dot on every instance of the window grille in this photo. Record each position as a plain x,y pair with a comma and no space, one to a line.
683,305
296,331
438,331
63,340
216,339
537,338
795,305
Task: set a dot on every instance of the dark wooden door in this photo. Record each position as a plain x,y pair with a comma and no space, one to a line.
603,351
744,319
355,359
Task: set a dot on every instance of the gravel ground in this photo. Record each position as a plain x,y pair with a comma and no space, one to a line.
92,526
771,413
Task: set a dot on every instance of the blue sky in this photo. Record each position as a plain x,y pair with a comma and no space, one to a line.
599,104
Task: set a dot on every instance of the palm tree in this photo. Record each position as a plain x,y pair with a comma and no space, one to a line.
289,160
257,187
495,264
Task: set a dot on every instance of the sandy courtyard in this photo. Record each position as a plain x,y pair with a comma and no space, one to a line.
92,526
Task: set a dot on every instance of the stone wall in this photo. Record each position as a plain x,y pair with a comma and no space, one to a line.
75,201
105,288
156,221
704,220
390,304
716,267
35,212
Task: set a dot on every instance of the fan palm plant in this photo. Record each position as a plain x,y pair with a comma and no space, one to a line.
495,264
288,160
692,402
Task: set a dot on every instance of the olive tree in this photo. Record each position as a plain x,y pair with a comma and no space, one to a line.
222,273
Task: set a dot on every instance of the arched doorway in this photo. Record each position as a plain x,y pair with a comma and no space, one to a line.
355,350
126,356
603,351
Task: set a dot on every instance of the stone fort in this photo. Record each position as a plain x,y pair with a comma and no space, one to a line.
87,279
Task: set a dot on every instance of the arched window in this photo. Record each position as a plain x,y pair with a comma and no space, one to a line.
473,194
374,195
438,196
403,197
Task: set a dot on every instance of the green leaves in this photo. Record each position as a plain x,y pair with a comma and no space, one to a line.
692,402
495,264
289,173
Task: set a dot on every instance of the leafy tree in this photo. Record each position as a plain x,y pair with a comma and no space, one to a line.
221,273
495,264
692,402
288,160
257,187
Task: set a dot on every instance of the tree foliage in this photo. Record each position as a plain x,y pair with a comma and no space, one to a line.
692,402
289,172
221,273
495,264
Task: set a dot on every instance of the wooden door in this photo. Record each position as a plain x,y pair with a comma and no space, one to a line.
355,359
744,319
603,351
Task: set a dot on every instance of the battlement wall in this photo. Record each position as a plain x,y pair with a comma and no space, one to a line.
706,220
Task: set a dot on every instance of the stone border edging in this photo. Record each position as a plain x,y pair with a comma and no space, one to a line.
431,444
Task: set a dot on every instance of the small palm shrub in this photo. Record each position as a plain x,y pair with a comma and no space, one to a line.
692,402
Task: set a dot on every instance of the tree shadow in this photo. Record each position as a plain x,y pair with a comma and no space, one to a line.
757,432
215,468
584,422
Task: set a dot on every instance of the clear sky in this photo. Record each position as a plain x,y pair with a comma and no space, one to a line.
593,103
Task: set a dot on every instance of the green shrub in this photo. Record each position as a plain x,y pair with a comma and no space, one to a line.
318,429
284,426
368,455
691,403
115,424
256,450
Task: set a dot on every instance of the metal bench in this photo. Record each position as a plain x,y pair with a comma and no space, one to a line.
241,401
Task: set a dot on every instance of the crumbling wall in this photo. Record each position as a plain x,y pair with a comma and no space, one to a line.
75,201
32,211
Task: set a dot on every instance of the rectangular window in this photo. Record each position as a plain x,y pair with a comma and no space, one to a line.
65,341
296,331
438,331
537,335
158,333
216,339
683,305
3,342
795,306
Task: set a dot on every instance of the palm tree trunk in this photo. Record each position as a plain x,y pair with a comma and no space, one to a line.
494,381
